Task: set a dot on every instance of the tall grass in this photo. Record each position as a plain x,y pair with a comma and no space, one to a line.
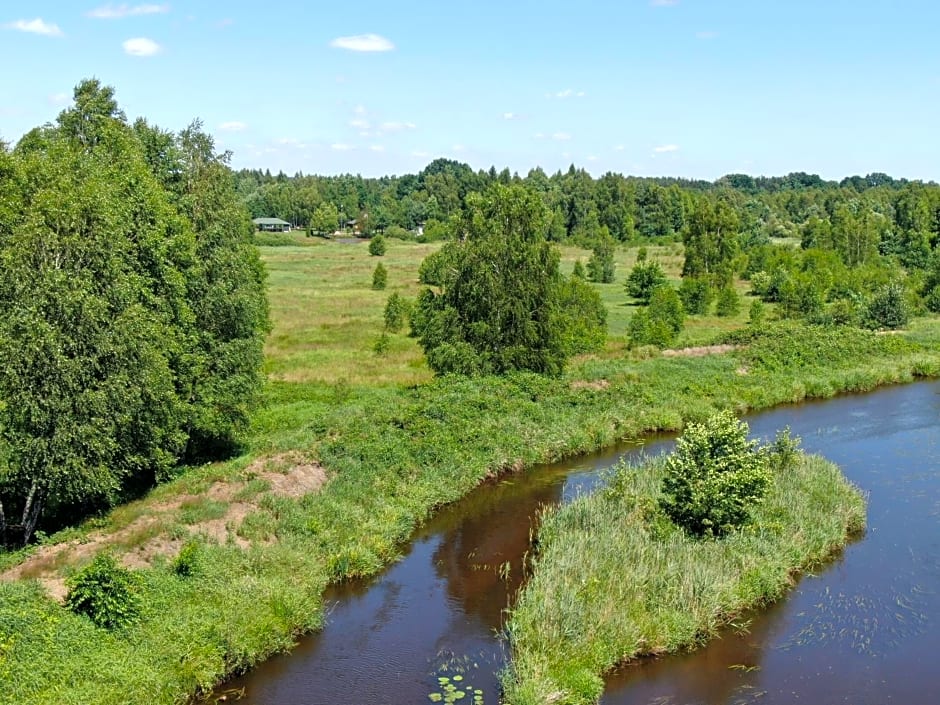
615,579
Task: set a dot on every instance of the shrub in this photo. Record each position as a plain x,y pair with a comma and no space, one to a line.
729,303
643,279
696,295
379,277
714,477
399,233
396,310
382,344
105,592
377,246
578,271
756,313
186,562
888,309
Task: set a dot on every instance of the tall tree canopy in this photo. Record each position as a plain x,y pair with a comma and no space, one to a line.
499,307
134,310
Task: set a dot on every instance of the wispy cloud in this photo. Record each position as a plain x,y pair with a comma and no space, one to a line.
363,42
420,153
141,46
36,26
510,116
233,126
561,136
666,148
566,93
377,148
619,148
341,147
116,12
396,126
359,124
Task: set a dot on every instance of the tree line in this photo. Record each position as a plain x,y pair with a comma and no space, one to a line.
134,311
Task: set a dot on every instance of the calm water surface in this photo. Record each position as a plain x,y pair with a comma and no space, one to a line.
862,631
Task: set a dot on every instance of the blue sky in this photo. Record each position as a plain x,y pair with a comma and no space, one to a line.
695,88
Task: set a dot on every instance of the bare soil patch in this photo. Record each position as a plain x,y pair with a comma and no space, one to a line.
700,351
147,538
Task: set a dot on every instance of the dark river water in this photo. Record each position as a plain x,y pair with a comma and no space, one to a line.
864,630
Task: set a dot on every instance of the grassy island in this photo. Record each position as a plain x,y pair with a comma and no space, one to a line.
615,579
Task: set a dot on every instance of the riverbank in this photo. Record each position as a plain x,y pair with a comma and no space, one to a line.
615,579
392,456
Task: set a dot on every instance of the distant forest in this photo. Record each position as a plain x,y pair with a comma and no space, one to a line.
859,217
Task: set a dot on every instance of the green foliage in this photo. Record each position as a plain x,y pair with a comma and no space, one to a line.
578,271
379,277
715,477
660,323
399,233
498,309
585,319
601,265
324,221
643,279
888,308
106,593
756,313
696,294
397,309
186,563
377,246
728,303
139,339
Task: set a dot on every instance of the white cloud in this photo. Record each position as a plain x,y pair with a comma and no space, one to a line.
510,116
359,124
539,135
59,99
340,147
233,126
666,148
115,12
141,46
377,148
619,148
360,110
421,154
567,93
36,26
363,42
561,136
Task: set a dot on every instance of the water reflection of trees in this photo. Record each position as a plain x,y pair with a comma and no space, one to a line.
492,529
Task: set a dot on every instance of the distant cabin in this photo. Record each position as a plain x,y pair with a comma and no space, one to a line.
272,225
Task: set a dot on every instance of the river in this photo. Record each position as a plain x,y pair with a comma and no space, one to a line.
863,630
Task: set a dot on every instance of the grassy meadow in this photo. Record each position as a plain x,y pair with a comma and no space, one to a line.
382,444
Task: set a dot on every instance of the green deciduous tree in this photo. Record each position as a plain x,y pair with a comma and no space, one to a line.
601,265
643,279
134,311
498,305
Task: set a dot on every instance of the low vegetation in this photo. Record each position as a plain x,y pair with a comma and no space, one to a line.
615,578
